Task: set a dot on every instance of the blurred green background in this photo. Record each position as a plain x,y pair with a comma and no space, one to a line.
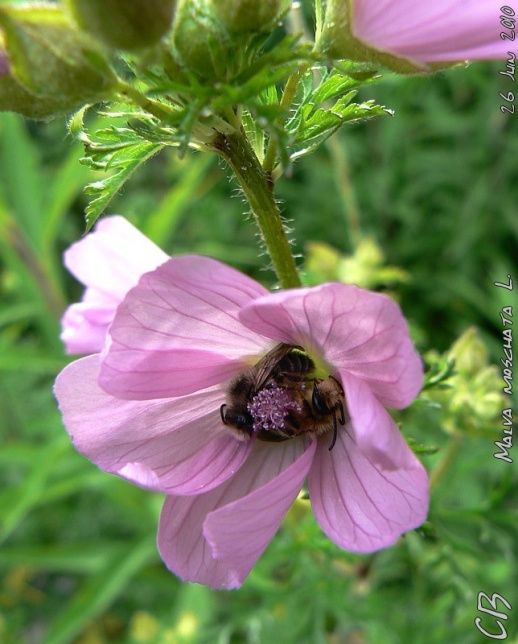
422,205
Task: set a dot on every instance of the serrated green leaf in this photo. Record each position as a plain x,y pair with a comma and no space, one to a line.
123,158
314,122
313,130
332,86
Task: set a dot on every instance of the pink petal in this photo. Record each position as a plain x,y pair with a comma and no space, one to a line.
84,325
216,538
109,262
372,426
175,446
360,505
178,330
113,257
444,30
355,330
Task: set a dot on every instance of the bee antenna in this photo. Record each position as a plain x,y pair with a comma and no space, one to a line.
222,413
335,431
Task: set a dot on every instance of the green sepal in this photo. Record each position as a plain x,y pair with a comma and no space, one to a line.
123,24
322,110
50,58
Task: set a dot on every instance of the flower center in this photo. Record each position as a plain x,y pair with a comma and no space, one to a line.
283,396
270,407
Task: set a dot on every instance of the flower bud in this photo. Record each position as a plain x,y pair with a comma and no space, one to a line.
123,24
322,262
50,59
488,399
243,16
201,41
15,98
469,353
473,400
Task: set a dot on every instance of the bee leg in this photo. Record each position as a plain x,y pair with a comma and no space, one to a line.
335,431
338,383
341,420
222,413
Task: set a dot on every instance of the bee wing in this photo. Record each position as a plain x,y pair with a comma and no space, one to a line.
264,369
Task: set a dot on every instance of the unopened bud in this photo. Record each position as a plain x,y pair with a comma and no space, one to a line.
243,16
15,98
50,59
469,353
124,24
201,41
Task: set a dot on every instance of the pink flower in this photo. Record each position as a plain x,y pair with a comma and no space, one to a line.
148,410
108,262
417,31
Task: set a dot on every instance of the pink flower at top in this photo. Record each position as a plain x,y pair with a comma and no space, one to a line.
150,410
419,31
108,262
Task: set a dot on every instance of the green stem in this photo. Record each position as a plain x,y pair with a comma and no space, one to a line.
238,153
345,188
447,459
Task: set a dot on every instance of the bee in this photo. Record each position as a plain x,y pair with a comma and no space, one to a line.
279,398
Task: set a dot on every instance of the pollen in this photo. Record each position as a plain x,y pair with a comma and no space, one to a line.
270,406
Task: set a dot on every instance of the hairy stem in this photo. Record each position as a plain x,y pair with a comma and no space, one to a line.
238,153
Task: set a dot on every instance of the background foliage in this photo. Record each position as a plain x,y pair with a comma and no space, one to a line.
430,198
